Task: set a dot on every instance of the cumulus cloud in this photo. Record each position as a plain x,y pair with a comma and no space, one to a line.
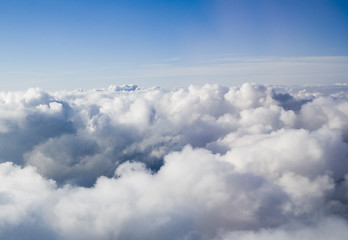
203,162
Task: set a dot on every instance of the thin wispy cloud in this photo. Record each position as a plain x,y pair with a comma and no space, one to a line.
272,70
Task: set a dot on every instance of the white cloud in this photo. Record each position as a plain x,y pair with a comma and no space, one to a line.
201,162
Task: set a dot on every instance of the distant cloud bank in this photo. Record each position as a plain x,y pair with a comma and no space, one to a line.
202,162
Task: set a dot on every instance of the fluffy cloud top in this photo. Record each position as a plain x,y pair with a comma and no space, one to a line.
205,162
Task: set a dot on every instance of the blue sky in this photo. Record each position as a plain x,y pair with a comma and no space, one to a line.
61,44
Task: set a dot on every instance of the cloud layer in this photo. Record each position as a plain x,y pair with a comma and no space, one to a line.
203,162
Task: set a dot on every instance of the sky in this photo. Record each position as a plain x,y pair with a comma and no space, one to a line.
87,44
